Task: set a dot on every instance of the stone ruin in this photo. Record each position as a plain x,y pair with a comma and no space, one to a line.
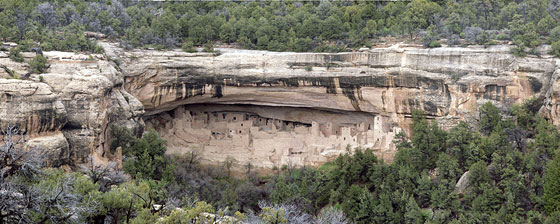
267,141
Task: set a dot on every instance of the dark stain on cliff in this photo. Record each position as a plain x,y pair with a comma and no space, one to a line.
430,107
401,79
189,84
410,103
463,87
190,89
38,121
409,80
303,64
536,85
447,92
194,89
351,94
179,90
494,92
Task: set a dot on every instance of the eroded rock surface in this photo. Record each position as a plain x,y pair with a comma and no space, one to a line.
266,108
67,110
54,149
367,96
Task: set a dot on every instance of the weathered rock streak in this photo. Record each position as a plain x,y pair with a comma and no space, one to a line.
266,108
66,111
322,103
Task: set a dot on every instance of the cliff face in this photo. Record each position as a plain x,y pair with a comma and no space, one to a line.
305,108
66,111
265,108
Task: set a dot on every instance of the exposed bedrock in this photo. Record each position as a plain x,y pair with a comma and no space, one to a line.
349,91
66,111
266,108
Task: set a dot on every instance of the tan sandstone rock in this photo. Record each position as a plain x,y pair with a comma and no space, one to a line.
314,106
55,148
67,110
266,108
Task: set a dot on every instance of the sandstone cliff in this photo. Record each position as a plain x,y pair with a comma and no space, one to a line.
66,111
304,108
266,108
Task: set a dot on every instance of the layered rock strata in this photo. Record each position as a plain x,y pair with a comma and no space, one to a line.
66,111
308,91
265,108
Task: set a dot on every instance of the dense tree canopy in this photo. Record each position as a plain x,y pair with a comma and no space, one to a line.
280,25
512,170
505,177
509,157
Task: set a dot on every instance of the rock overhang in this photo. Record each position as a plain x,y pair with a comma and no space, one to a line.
80,97
448,83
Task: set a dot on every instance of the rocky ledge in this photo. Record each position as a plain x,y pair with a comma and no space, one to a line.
265,108
271,108
66,111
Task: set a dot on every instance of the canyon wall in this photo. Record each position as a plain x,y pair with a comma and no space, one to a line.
264,108
66,111
272,109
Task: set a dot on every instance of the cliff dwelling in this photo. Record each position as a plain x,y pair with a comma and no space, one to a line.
270,136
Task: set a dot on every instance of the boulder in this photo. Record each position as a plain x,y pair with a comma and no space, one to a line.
463,183
54,148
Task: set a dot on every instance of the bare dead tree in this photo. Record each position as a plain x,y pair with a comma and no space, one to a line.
517,137
251,173
106,175
331,215
553,9
290,212
193,160
218,216
15,200
248,167
58,203
16,165
96,172
21,195
13,158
